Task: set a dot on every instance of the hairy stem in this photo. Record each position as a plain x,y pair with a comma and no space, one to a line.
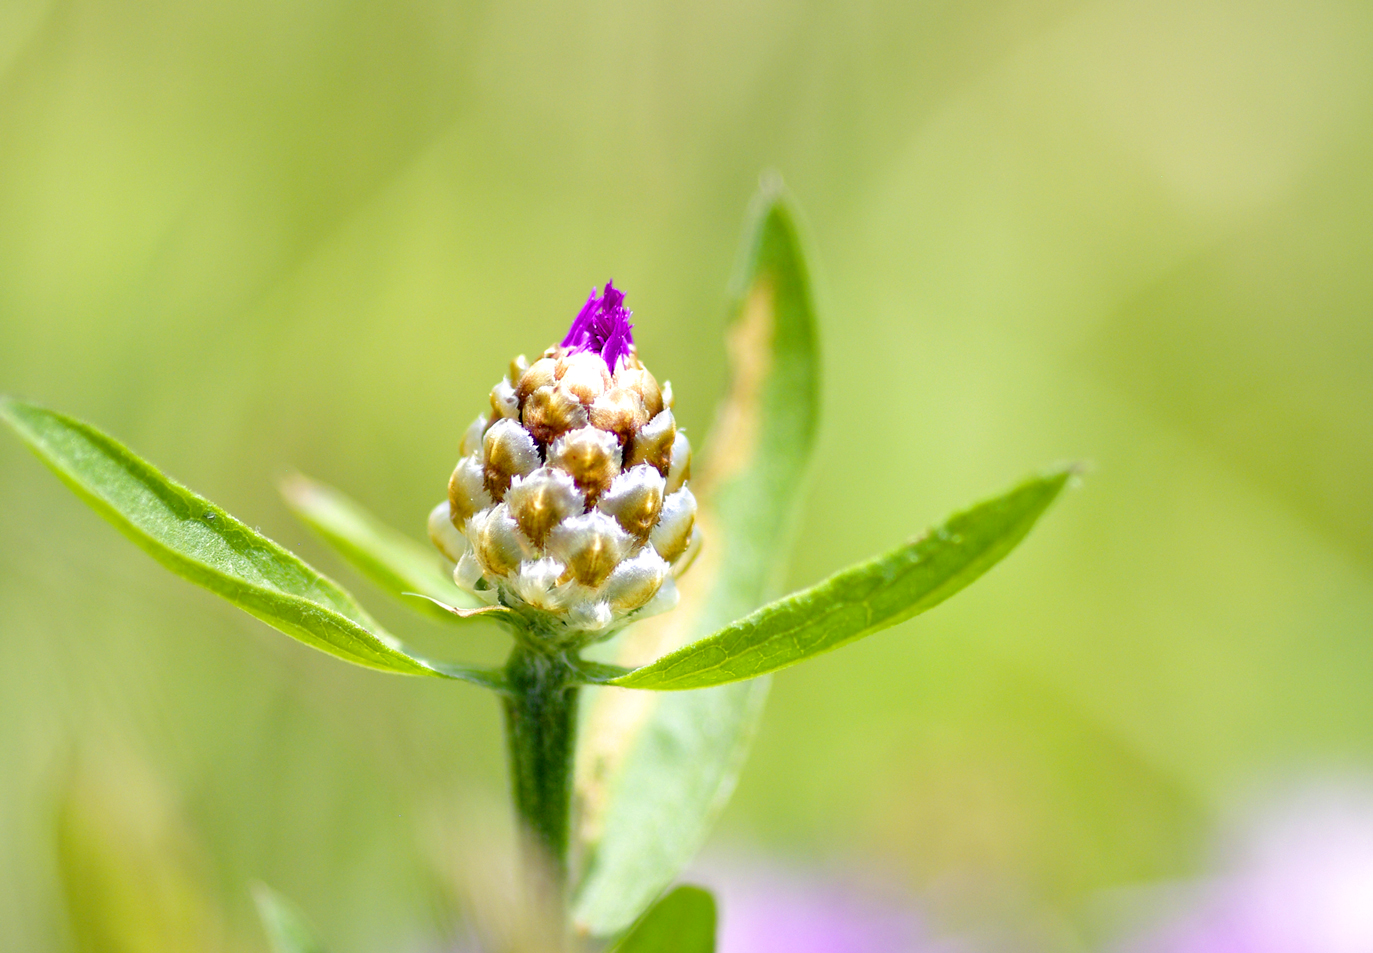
541,730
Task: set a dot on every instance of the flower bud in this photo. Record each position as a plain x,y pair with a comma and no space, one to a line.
639,381
510,452
635,499
542,373
584,374
467,493
673,531
472,439
652,443
504,403
619,411
636,580
591,455
551,411
590,545
679,466
542,500
540,584
570,503
498,542
444,534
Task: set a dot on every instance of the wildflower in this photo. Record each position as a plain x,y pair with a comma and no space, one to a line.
1298,878
768,908
571,501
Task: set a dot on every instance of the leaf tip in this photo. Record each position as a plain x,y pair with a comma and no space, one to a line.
297,489
500,612
8,405
263,896
770,184
773,201
286,927
1068,474
771,207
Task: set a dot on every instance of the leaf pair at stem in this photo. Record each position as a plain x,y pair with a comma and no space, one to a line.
664,766
197,540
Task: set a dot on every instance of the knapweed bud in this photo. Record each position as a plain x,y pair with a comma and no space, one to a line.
571,501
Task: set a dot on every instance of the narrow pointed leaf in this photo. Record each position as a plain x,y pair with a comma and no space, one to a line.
860,600
286,927
392,560
657,770
681,922
200,542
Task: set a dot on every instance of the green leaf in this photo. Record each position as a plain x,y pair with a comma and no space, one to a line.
392,560
860,600
588,672
658,769
286,927
681,922
760,448
200,542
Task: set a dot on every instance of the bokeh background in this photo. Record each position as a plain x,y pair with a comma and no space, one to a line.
259,236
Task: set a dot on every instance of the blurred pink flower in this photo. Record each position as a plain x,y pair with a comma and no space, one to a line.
767,909
1300,880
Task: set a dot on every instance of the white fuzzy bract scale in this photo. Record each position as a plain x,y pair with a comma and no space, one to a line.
571,501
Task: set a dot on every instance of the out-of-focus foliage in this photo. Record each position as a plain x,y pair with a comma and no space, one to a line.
286,927
132,878
260,236
681,922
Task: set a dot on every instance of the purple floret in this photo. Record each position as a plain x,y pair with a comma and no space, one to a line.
602,326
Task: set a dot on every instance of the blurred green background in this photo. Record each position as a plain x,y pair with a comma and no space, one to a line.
250,237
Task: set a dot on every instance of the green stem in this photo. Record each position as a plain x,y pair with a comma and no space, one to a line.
541,730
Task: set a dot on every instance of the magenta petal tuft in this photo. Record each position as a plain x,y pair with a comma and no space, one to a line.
602,326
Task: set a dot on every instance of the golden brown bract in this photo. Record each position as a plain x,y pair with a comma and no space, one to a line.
591,455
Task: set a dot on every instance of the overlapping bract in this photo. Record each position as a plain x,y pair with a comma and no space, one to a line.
570,502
